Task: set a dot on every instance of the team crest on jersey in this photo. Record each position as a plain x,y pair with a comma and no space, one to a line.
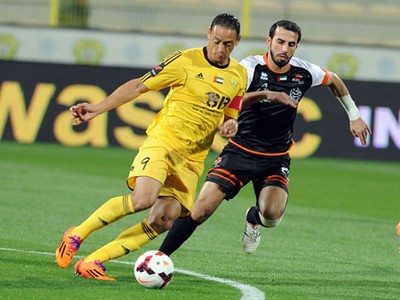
264,76
264,87
296,94
157,69
297,78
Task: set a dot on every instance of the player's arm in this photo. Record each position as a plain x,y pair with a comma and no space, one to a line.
127,92
229,126
254,97
358,127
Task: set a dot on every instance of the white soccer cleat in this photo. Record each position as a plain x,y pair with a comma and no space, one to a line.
251,237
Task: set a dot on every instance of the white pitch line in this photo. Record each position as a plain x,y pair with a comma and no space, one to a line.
248,292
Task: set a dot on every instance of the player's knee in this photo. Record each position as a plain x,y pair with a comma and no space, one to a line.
269,223
201,215
160,223
142,201
204,208
271,216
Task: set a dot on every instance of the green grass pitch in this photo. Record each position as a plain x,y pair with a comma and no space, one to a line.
337,240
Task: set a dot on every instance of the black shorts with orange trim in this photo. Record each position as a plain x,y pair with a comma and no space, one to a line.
234,168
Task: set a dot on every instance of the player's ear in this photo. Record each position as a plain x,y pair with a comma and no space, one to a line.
238,39
209,33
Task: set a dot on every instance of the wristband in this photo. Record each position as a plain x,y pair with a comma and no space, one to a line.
350,107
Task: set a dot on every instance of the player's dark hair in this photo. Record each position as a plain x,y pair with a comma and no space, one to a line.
228,21
288,25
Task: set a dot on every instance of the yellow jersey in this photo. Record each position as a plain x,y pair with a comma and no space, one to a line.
200,94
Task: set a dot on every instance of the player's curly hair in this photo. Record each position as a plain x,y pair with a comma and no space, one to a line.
288,25
228,21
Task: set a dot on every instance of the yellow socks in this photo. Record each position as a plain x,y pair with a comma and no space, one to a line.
129,240
109,212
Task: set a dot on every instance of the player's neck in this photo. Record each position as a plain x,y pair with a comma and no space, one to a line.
222,65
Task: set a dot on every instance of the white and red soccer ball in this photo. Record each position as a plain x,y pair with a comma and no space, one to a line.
154,269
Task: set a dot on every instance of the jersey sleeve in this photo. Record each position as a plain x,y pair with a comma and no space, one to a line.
249,64
168,73
319,75
235,106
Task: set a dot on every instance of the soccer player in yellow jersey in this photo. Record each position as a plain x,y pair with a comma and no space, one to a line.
206,91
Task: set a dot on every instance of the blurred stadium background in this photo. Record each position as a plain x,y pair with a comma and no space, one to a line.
81,50
338,240
360,22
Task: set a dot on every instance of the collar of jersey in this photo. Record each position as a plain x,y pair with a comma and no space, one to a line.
214,64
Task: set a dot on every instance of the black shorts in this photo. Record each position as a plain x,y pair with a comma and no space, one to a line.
234,168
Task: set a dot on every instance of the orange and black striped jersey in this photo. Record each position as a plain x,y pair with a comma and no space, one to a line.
200,94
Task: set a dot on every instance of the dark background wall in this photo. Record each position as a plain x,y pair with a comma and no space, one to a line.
34,101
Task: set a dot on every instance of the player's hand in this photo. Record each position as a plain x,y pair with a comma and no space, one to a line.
360,130
82,112
283,98
250,98
228,128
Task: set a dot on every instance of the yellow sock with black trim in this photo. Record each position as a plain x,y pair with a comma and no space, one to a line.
112,210
129,240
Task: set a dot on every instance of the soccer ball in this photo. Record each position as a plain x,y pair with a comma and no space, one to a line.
154,269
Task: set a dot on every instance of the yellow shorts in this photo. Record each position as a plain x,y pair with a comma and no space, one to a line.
178,174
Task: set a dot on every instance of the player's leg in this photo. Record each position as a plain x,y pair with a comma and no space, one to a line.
271,189
269,213
148,172
170,199
210,197
271,207
112,210
160,218
167,201
221,183
143,197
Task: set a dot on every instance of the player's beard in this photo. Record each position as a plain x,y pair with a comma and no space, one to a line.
279,63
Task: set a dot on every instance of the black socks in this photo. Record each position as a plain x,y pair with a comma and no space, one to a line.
180,231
